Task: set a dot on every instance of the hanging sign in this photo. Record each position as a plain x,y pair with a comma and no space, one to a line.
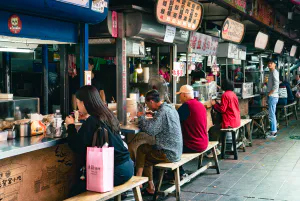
261,40
114,25
203,44
293,51
184,14
99,5
233,30
178,68
82,3
170,34
279,46
14,24
209,61
87,77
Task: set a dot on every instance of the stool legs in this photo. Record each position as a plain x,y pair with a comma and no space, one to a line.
137,194
234,145
216,160
158,185
223,148
177,183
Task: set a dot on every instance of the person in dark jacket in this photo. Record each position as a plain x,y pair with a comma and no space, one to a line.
98,115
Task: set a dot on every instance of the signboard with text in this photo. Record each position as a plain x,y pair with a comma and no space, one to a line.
238,4
278,47
293,51
203,44
233,30
261,40
184,14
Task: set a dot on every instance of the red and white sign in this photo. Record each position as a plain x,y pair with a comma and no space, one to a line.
14,24
293,51
114,24
261,40
178,69
279,46
88,77
203,44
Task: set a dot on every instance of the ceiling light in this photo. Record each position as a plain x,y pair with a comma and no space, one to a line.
139,70
16,50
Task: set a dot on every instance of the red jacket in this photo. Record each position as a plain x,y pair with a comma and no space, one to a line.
229,107
194,125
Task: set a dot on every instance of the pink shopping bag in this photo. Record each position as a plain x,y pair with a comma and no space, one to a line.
100,166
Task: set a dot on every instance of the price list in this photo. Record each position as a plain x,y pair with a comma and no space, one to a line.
185,14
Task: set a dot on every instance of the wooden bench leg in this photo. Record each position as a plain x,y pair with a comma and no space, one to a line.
177,183
223,148
117,198
216,160
137,194
249,131
286,117
243,138
158,185
200,161
295,111
234,144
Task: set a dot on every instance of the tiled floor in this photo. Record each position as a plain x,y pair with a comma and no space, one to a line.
270,170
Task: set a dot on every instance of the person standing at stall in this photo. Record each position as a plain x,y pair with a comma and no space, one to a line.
165,126
95,82
273,96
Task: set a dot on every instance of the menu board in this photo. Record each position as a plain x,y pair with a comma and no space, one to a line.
203,44
185,14
279,46
247,89
293,51
233,30
261,40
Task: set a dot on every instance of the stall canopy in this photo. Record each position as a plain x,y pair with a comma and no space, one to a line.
85,11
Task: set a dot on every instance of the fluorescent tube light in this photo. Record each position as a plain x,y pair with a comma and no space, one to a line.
16,50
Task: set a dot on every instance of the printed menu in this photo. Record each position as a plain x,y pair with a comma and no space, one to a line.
185,14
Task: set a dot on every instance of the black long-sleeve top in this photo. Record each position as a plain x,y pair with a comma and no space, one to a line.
79,141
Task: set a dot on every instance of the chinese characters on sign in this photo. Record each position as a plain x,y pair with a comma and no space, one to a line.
239,4
178,69
170,34
233,31
82,3
203,44
99,5
185,14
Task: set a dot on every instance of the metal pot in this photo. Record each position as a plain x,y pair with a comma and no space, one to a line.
11,134
23,130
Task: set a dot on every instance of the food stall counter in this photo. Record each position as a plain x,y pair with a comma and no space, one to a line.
23,145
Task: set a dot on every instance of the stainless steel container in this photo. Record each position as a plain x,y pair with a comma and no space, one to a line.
23,130
11,134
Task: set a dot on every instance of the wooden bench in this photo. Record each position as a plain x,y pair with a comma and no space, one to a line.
134,183
235,137
286,111
186,157
260,120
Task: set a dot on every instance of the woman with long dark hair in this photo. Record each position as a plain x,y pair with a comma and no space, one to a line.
98,115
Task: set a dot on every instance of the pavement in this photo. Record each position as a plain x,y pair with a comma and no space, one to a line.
270,170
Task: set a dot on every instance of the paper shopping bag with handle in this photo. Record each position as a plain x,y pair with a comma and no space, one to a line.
100,164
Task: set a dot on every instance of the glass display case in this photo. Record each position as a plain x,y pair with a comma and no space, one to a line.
27,105
206,90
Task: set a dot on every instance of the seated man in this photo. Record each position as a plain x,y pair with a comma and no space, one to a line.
282,91
165,126
193,120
